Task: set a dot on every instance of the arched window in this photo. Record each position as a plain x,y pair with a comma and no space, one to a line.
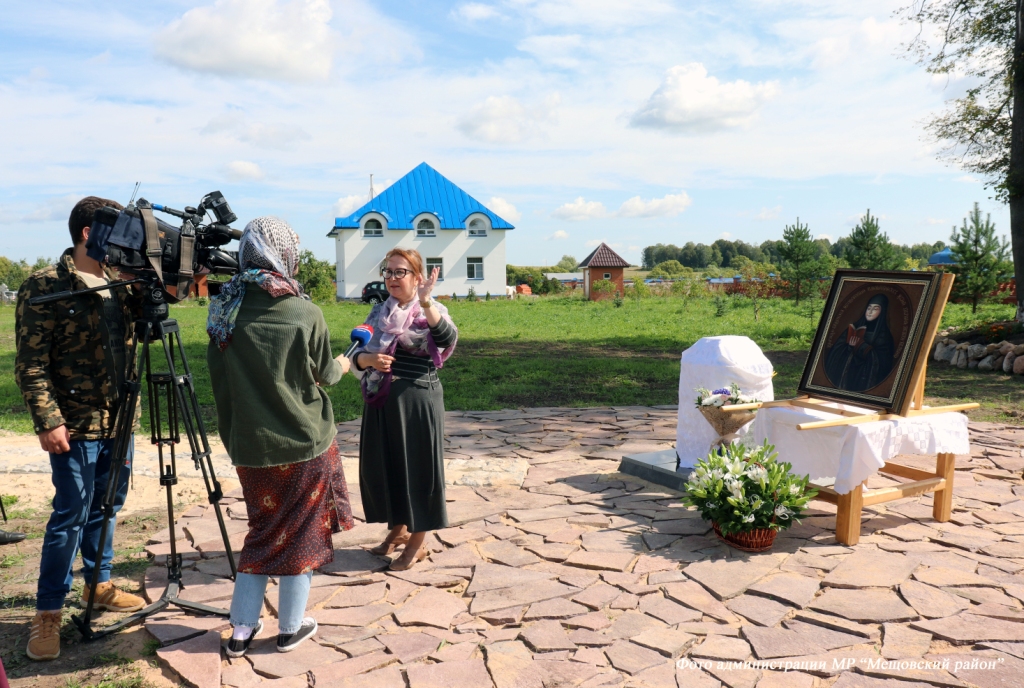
477,227
425,227
373,228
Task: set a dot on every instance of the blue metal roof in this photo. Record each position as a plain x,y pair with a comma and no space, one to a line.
423,190
943,257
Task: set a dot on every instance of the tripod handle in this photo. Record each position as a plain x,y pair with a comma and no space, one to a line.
61,295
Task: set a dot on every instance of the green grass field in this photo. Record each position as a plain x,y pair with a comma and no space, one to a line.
563,351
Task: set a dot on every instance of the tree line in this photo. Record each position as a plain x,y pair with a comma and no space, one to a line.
980,257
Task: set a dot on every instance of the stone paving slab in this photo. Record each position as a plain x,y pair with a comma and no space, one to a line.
581,576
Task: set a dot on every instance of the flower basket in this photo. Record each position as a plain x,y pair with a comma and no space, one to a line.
756,540
725,424
747,495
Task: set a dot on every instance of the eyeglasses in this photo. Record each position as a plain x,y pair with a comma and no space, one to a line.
400,273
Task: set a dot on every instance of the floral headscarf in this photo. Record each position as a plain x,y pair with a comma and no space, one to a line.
394,326
268,256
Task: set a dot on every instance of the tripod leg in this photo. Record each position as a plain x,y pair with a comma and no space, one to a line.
2,511
122,442
195,430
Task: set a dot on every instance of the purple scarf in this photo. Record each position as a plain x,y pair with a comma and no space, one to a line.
394,326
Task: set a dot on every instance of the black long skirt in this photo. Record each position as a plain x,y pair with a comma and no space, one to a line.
401,458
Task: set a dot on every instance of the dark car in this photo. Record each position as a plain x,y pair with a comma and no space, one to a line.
375,292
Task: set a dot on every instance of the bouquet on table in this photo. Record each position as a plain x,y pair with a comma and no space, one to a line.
747,495
710,403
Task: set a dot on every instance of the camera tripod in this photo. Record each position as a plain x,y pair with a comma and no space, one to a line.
172,399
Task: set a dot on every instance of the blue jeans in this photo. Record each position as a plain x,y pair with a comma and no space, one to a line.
247,600
80,480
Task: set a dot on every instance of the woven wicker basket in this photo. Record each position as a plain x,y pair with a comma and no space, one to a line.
757,540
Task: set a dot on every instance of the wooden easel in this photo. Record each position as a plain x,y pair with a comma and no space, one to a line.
940,483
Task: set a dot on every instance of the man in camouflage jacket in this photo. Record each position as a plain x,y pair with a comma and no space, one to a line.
70,367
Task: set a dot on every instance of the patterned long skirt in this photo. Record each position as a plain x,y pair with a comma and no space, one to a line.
293,510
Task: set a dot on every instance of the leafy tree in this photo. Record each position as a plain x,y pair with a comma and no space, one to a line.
14,273
316,277
567,264
980,257
758,284
516,275
798,253
870,248
980,40
670,268
770,249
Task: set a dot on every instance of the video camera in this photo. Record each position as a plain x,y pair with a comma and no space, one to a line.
133,240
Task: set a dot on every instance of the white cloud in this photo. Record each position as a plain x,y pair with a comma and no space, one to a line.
556,50
475,11
690,101
560,234
769,213
825,236
52,209
243,170
504,209
968,179
670,205
38,74
594,242
264,39
346,205
580,209
936,221
503,119
725,235
600,14
274,136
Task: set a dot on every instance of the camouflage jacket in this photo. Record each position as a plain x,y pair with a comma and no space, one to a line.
63,366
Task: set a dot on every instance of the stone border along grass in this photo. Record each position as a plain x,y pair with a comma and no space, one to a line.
1004,356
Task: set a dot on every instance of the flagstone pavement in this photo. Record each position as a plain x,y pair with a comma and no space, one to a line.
575,575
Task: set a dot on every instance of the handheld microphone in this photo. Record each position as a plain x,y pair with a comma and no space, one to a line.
360,337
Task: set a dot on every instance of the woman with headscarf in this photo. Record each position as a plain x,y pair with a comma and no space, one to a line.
269,354
401,444
862,356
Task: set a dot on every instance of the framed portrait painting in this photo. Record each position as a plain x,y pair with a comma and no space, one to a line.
870,348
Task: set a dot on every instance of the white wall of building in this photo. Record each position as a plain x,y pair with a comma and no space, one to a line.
359,258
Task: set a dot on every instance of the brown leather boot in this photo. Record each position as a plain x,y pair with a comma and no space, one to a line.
44,638
113,600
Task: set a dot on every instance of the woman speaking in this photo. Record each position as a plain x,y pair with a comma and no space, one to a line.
401,446
269,353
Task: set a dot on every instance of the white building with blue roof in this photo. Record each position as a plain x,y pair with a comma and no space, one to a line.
423,210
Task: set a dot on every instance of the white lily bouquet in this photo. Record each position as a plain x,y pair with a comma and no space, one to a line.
748,495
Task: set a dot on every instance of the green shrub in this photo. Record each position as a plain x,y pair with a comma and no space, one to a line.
618,300
487,296
720,305
316,277
603,287
202,301
471,295
639,290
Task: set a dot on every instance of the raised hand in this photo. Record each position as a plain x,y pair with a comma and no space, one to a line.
426,285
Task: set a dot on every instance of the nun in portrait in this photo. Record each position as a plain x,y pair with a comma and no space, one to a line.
863,354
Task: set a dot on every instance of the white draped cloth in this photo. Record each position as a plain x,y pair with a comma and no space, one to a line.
714,362
850,454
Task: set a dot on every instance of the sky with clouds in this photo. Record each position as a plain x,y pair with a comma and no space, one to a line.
579,121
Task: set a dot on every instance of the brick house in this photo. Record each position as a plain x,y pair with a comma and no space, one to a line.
602,264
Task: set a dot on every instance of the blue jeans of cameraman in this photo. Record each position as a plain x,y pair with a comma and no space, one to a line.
80,479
